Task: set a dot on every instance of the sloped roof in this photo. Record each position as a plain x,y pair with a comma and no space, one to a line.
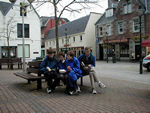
104,20
5,7
44,20
73,27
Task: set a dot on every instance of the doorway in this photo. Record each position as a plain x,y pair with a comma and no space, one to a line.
101,53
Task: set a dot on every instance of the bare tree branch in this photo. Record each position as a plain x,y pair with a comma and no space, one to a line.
65,8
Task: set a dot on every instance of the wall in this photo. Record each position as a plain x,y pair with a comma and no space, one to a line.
90,36
35,31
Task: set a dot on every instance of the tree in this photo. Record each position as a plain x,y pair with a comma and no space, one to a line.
8,30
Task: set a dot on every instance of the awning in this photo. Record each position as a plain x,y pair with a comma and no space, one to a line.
146,43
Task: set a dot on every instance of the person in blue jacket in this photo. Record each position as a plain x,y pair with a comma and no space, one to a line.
74,72
49,68
87,61
61,67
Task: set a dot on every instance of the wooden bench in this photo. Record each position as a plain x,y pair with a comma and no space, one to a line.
10,62
33,73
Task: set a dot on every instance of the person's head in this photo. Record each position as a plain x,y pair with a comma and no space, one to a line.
61,56
50,52
70,55
87,51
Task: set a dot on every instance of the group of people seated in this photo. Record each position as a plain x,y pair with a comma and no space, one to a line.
69,69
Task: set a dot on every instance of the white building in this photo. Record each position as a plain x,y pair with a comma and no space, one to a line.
75,35
32,28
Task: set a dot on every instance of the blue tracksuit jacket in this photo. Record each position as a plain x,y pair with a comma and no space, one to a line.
47,62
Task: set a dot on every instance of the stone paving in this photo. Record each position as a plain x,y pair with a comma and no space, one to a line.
121,95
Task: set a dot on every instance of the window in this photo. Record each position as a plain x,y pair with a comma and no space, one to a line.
74,39
62,41
26,30
100,31
25,9
27,50
136,26
120,28
127,8
80,37
108,29
50,43
53,42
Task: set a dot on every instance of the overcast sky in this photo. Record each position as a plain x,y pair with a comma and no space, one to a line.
47,9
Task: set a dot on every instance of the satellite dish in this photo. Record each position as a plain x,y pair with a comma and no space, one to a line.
12,1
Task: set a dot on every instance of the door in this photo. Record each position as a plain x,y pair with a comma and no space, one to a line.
101,53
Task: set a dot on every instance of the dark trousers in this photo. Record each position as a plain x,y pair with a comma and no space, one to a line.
52,80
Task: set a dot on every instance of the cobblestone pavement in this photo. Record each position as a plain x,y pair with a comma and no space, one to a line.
122,95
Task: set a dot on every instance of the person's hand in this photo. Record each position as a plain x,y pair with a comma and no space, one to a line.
49,69
82,64
89,66
69,68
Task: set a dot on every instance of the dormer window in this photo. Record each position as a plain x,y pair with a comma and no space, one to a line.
109,13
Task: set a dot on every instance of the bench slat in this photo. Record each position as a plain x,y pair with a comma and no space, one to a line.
34,64
33,70
28,76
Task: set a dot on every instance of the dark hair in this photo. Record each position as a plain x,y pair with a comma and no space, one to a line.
61,54
87,48
50,51
71,53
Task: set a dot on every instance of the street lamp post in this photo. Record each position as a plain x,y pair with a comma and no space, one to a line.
107,47
141,67
23,41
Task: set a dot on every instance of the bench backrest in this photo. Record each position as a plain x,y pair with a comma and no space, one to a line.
4,60
10,60
34,67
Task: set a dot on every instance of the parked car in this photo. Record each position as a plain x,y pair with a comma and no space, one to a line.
146,62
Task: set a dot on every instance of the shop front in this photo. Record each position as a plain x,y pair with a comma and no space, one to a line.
118,48
146,45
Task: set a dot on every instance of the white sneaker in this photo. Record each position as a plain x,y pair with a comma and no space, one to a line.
101,85
49,90
94,91
70,92
78,89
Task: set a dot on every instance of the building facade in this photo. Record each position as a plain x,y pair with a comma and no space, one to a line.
48,23
122,39
75,35
10,14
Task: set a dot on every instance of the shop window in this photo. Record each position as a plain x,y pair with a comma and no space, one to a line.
12,50
124,50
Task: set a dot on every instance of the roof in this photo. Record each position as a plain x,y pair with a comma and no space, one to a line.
73,27
44,20
104,20
5,7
